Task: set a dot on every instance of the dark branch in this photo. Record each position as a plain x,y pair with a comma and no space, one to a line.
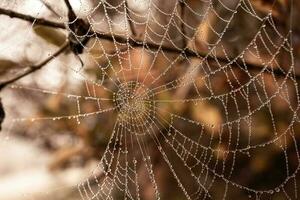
80,28
71,14
31,69
38,21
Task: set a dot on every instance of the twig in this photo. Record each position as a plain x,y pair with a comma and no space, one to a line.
188,53
137,43
46,4
38,21
78,28
71,14
34,68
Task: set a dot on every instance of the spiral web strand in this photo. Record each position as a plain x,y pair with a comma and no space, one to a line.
155,99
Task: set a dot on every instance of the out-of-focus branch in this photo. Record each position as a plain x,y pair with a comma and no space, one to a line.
47,5
189,53
38,21
78,31
71,14
79,27
31,69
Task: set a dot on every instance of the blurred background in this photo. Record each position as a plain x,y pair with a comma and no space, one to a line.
234,111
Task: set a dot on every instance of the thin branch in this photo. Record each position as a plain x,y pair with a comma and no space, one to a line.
31,69
188,53
137,43
38,21
77,28
71,14
47,5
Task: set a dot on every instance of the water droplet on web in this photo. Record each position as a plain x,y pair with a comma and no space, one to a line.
132,108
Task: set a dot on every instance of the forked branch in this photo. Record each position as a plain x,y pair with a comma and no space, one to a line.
33,68
71,14
78,24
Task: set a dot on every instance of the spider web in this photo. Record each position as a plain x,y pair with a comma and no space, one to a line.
198,117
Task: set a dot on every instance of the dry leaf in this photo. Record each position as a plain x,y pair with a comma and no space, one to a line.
7,65
51,35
